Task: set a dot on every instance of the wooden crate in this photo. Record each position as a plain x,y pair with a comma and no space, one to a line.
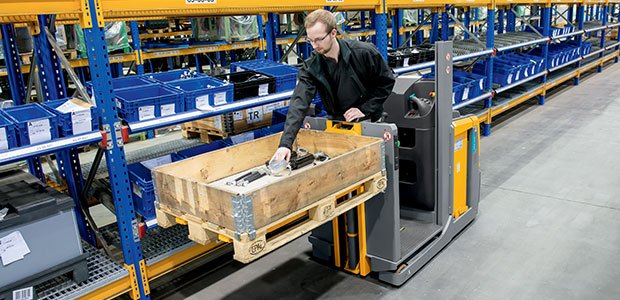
268,238
195,191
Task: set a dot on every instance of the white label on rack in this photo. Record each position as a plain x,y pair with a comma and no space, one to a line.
269,108
517,76
482,84
23,294
406,62
254,114
238,116
13,247
146,112
39,131
466,93
4,143
263,89
220,98
527,72
202,102
453,97
533,69
510,79
81,121
119,104
167,109
241,138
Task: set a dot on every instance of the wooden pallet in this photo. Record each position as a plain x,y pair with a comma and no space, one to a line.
290,227
205,136
69,54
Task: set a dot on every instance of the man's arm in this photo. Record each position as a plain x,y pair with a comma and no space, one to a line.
383,80
300,101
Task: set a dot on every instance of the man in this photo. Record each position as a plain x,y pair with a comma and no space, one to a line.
351,77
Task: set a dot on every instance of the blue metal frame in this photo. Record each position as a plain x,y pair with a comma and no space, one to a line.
500,21
115,156
434,25
467,20
419,36
13,64
260,53
511,20
603,18
48,65
270,37
445,24
546,21
490,43
380,23
397,24
579,38
135,43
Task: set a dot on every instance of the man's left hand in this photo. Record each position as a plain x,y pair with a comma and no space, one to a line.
352,114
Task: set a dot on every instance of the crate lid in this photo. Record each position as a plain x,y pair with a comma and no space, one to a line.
27,199
27,112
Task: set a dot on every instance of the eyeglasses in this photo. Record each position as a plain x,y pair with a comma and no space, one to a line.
317,40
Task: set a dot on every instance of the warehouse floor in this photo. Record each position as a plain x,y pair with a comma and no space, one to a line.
547,228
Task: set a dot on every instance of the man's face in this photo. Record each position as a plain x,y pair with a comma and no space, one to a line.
320,39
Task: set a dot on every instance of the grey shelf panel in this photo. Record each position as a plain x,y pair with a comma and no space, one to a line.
102,271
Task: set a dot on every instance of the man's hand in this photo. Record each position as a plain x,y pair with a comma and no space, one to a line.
352,114
282,153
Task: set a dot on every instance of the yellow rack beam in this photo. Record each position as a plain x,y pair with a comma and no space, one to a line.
111,290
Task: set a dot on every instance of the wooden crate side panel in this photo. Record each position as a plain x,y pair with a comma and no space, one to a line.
279,200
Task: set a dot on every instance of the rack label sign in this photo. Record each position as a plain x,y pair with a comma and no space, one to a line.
146,112
200,1
254,115
167,109
81,121
39,131
332,1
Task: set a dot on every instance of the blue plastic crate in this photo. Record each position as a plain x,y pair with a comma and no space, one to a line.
539,62
166,77
148,102
470,86
143,191
480,81
457,93
122,83
215,145
8,140
252,65
65,120
204,91
286,76
33,124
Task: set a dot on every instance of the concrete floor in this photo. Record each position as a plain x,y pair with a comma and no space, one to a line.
547,229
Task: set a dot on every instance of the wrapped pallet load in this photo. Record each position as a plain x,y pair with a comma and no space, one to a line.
230,29
115,37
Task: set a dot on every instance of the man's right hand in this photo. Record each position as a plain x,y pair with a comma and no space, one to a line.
282,153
